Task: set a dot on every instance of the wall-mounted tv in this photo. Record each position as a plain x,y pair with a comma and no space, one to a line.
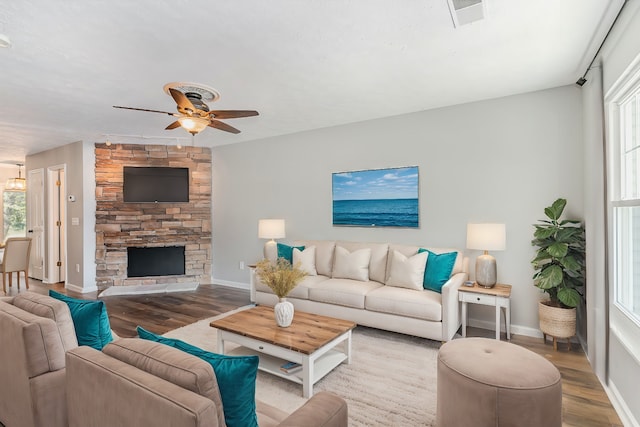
155,185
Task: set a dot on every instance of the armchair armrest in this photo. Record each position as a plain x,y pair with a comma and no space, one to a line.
322,410
450,306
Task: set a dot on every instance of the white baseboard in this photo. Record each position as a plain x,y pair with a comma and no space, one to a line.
515,329
231,284
618,403
80,289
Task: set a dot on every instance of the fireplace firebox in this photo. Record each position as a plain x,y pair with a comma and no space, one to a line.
155,261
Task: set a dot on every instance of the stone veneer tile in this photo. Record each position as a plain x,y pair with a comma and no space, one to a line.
119,224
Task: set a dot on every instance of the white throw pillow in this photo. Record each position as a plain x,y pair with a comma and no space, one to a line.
407,272
352,265
307,260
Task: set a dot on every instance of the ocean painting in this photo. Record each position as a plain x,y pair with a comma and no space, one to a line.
376,198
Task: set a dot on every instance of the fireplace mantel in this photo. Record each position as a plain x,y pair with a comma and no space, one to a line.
120,225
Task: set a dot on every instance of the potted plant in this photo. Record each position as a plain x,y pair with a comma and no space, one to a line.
281,277
560,270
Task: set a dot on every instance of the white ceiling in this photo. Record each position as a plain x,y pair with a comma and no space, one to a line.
302,64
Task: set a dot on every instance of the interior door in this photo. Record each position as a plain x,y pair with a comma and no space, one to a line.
35,222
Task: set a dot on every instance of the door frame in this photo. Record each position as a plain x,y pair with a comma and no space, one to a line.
37,245
56,241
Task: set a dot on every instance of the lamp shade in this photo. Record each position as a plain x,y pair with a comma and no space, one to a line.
486,237
271,228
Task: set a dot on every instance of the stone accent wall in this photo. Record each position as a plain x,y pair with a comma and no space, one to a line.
120,225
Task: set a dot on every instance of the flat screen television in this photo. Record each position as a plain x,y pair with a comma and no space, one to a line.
156,184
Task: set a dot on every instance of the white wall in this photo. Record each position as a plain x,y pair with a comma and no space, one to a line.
70,155
623,363
502,160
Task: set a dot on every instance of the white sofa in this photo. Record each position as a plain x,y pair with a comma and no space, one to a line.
374,302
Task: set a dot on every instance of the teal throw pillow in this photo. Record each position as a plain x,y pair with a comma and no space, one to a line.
90,320
286,251
438,271
236,376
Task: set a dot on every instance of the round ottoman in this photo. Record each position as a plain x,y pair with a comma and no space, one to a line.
487,383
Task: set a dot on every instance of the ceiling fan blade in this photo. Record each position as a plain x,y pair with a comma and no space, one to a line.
223,126
173,125
184,105
232,114
144,109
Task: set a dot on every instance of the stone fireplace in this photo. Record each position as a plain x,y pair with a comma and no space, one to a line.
121,227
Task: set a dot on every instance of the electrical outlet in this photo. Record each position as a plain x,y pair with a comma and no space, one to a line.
241,265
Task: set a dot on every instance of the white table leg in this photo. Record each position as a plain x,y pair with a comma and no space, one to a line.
347,348
508,319
497,321
307,377
464,319
220,343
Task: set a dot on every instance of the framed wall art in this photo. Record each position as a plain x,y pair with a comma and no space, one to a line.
376,198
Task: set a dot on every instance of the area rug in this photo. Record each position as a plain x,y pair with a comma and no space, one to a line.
391,380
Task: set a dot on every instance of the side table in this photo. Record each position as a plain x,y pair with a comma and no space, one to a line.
499,296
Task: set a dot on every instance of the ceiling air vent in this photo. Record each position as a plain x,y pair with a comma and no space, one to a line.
466,11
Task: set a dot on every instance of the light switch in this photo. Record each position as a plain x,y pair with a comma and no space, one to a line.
75,221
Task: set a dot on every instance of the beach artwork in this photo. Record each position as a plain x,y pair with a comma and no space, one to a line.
376,198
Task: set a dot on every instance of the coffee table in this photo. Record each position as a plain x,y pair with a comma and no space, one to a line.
318,343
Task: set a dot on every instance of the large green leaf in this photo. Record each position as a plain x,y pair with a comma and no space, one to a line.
569,297
555,210
558,250
544,232
570,263
550,277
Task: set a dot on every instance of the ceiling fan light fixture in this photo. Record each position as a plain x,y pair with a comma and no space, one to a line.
193,124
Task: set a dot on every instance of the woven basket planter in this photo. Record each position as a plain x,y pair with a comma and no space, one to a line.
557,322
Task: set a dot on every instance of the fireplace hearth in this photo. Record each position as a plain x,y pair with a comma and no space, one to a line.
155,261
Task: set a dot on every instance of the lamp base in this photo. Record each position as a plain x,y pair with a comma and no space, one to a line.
271,250
486,271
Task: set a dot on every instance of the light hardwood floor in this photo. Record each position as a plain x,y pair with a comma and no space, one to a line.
584,402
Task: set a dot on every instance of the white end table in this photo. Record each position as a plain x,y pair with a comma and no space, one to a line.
498,296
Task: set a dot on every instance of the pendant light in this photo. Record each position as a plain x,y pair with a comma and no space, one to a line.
16,184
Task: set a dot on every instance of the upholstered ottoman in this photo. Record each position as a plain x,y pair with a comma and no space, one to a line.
487,383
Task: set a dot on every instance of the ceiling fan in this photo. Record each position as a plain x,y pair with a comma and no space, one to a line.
194,115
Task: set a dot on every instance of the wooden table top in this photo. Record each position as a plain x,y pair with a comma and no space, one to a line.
307,333
498,290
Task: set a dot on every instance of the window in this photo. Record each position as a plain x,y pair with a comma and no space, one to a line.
14,217
624,177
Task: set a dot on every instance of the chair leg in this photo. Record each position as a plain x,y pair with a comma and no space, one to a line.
10,279
18,277
26,279
4,285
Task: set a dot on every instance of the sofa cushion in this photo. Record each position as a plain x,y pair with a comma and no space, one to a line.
420,304
408,250
90,320
407,272
51,308
306,259
351,265
236,377
286,251
173,365
44,351
438,271
347,292
324,254
377,262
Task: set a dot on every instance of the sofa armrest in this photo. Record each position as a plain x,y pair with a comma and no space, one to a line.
450,306
103,391
322,410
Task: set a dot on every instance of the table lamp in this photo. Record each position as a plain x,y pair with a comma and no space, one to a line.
271,229
486,237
